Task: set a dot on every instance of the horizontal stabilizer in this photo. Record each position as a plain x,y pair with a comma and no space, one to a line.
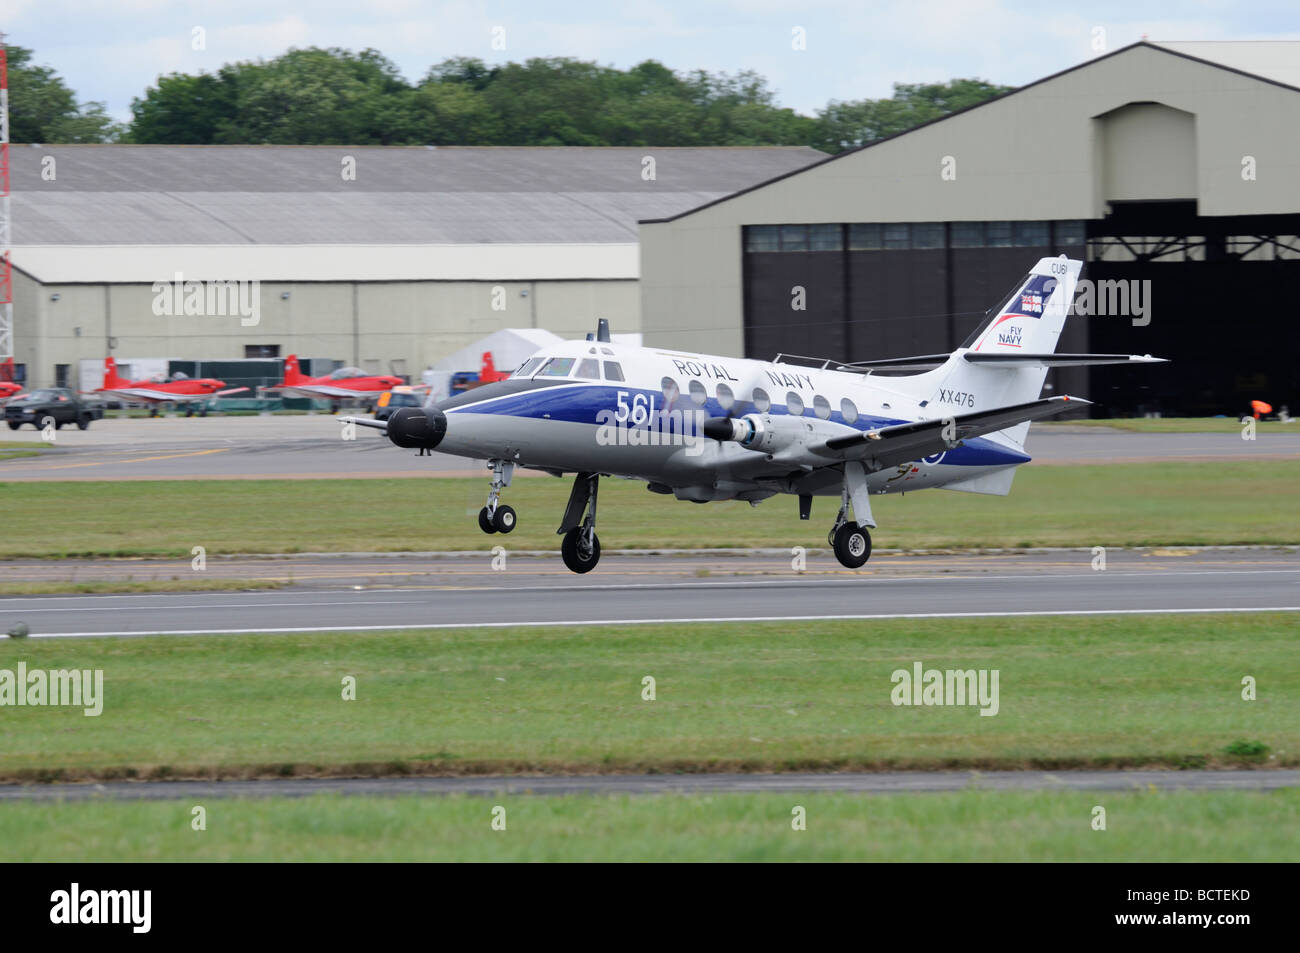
1059,360
900,443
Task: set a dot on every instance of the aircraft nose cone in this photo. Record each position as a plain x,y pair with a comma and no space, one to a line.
417,427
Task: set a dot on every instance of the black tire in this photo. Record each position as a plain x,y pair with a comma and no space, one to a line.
58,424
83,421
504,519
485,522
573,558
852,545
14,425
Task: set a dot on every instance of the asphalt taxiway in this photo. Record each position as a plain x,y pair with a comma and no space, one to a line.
312,447
885,782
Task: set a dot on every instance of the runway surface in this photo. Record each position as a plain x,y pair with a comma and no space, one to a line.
465,591
311,447
891,782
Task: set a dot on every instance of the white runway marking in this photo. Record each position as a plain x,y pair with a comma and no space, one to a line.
687,621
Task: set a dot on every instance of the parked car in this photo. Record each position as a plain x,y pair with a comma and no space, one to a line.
390,400
58,403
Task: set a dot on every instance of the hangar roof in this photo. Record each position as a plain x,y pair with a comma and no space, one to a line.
1055,148
218,195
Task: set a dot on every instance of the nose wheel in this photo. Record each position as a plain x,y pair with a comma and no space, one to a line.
495,517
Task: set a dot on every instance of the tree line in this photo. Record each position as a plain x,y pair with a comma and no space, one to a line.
334,96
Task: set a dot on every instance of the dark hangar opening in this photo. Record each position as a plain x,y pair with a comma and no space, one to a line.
1213,289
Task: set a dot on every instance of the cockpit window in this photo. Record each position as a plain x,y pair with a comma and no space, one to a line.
556,367
529,366
346,373
589,369
613,371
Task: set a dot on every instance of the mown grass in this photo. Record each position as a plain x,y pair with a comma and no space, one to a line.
1073,692
1149,826
1117,505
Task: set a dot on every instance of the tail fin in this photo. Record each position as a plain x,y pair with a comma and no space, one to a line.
110,374
292,375
1028,322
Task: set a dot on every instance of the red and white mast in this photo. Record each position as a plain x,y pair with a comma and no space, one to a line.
6,277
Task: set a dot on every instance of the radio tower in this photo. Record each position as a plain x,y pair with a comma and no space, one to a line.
6,278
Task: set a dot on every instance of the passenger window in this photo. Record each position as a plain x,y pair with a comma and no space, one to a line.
849,410
556,367
671,391
725,397
822,407
589,369
794,404
698,393
613,372
762,403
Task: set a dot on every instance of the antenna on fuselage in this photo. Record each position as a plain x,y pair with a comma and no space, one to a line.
602,330
591,335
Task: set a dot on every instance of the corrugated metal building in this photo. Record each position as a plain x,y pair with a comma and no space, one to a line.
1175,164
386,258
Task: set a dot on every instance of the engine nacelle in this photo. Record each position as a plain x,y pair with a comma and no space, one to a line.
784,439
417,428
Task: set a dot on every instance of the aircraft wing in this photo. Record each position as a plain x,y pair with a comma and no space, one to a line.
137,393
889,446
327,391
228,391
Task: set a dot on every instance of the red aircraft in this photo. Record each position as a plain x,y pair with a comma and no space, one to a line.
179,390
345,383
8,388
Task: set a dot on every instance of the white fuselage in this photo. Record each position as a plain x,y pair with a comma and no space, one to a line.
647,424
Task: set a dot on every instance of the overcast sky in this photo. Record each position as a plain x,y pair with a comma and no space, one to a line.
111,50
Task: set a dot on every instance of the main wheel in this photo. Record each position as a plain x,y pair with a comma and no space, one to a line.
485,522
852,545
504,520
83,421
571,550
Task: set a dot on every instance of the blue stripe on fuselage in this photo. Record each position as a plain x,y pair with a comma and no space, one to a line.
579,403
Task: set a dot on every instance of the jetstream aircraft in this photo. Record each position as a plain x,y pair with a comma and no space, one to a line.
706,428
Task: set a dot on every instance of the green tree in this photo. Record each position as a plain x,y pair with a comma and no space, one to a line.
846,125
43,109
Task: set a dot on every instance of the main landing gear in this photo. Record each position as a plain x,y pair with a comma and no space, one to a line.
496,518
851,541
581,546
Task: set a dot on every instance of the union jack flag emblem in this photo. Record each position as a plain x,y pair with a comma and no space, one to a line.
1031,302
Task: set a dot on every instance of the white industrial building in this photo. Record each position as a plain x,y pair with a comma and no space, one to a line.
387,258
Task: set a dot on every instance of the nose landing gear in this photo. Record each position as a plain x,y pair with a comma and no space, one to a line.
496,518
